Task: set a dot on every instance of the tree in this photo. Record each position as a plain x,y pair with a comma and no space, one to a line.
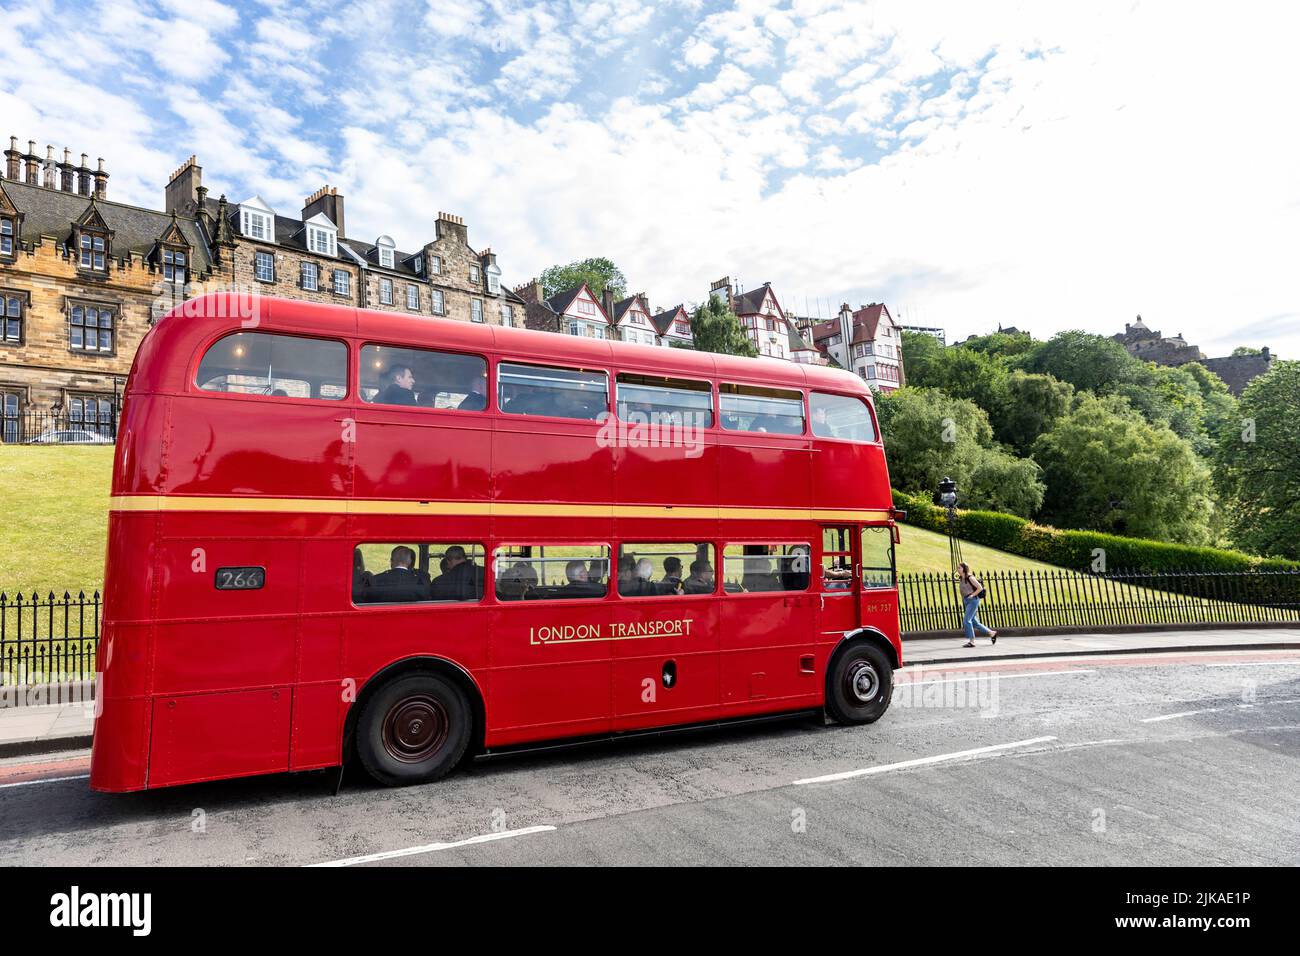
1001,344
1247,350
1107,469
1257,468
929,435
715,328
1086,361
599,274
1025,405
959,371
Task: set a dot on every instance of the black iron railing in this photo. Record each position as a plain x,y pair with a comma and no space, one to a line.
80,426
48,639
1060,598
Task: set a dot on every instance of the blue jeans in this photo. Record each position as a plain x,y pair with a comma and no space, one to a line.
969,619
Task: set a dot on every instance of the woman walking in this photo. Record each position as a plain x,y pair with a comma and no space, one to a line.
972,591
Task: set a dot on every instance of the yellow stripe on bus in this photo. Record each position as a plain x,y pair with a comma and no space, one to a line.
514,509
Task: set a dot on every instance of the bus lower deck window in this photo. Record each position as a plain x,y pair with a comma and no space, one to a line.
417,573
766,567
665,569
551,572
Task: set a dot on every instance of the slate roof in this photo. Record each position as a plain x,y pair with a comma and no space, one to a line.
663,322
51,212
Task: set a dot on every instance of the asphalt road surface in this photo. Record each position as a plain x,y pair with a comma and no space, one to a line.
1188,758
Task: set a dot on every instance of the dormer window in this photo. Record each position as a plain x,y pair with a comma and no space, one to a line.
7,232
417,264
494,284
384,247
322,235
257,220
94,251
174,264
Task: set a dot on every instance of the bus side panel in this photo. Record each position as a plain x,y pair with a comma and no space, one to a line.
317,726
685,648
685,477
544,460
138,459
396,457
848,475
764,471
121,745
231,444
211,736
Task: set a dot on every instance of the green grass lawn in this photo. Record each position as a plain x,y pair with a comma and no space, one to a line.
923,550
52,537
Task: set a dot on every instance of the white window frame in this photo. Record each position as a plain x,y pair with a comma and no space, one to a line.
259,256
435,265
320,241
436,302
413,292
476,310
309,268
385,291
343,287
255,225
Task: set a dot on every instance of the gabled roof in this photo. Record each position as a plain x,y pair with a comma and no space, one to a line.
560,302
663,321
865,325
751,302
51,212
796,341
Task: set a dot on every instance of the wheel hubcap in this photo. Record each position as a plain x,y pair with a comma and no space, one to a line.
415,728
863,681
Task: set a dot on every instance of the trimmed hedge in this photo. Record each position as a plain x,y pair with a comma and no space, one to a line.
1074,549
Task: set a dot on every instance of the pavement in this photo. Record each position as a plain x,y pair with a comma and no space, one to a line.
1186,758
26,730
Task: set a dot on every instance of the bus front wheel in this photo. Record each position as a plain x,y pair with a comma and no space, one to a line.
413,730
859,685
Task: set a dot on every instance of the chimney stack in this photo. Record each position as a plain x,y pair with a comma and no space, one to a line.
101,181
49,177
13,160
607,303
530,291
182,192
328,201
33,164
453,226
65,172
84,181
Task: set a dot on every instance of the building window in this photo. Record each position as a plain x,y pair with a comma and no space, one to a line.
6,236
255,225
386,291
342,282
320,241
10,403
310,276
435,265
174,266
385,257
11,318
413,298
494,284
93,251
473,273
263,267
92,413
587,308
507,316
476,310
682,328
90,328
435,302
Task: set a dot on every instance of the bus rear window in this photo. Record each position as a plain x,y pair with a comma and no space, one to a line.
280,366
557,392
751,408
841,416
399,376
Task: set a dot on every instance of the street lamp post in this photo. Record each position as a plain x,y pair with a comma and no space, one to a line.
947,497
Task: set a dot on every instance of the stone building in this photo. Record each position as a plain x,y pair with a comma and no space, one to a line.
82,277
1237,371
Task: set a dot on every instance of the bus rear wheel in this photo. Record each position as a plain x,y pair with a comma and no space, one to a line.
414,729
859,685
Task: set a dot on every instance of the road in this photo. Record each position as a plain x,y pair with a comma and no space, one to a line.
1177,758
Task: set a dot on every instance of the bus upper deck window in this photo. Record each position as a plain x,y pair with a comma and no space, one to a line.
424,377
841,416
279,366
664,401
753,408
557,392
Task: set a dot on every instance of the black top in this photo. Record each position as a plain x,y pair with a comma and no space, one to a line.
464,582
394,394
398,584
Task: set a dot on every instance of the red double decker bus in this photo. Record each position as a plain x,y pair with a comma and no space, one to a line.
342,534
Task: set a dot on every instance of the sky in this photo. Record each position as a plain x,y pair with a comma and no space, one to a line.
1043,165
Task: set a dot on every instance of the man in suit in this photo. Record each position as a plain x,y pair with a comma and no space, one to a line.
476,400
401,583
671,582
579,586
701,579
462,581
400,389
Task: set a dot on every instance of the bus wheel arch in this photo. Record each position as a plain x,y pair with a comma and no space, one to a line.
860,678
438,666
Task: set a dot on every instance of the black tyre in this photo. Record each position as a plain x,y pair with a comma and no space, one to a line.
859,685
414,729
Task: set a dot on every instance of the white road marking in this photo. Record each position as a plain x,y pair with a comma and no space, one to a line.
434,847
28,783
922,761
985,675
1185,713
1278,663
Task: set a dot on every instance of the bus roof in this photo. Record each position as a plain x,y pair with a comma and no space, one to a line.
191,326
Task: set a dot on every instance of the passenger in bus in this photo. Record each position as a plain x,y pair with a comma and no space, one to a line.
795,568
638,584
671,582
461,581
400,387
476,400
279,393
516,581
401,582
360,577
700,580
578,586
758,574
